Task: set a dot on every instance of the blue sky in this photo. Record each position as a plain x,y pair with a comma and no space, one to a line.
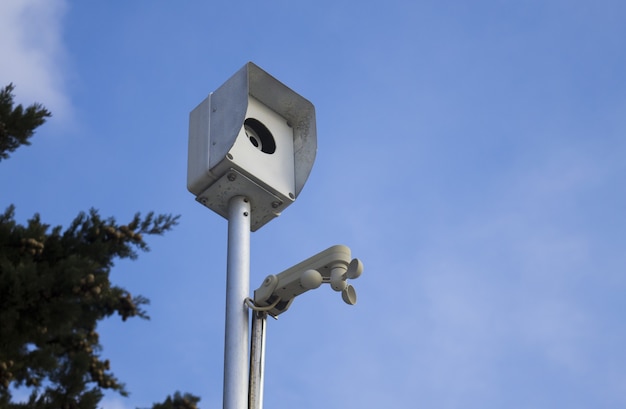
471,154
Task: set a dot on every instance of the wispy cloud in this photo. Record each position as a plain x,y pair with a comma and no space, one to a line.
503,301
33,56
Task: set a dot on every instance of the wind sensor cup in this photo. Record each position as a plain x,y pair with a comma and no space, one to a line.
252,137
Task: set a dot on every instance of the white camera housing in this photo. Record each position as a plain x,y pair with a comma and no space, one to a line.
333,265
252,137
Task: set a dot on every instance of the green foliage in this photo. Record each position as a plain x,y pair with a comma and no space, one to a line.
186,401
54,289
17,124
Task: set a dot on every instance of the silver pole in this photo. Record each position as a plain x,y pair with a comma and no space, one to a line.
257,359
237,289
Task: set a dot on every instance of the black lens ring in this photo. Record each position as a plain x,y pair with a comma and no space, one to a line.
267,143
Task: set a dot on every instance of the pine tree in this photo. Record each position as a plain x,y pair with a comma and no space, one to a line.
17,124
55,288
178,401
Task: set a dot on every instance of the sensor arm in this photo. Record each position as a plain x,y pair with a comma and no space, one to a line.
333,265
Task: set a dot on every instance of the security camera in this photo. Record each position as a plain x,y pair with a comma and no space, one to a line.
334,265
252,137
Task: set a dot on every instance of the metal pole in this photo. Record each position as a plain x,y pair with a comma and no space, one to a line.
257,359
237,289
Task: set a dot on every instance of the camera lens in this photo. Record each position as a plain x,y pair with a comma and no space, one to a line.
260,137
254,138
